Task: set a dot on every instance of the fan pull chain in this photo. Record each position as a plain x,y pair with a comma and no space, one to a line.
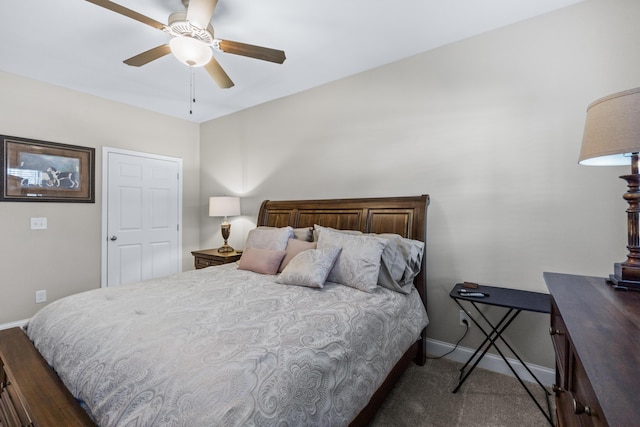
192,91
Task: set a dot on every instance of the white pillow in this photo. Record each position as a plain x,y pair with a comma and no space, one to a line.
271,238
309,268
358,264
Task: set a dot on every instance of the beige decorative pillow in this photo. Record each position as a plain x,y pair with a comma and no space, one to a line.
309,268
294,247
263,261
272,238
358,264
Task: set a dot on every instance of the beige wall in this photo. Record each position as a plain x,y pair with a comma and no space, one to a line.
490,127
65,258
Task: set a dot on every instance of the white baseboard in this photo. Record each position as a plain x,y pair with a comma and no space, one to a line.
493,362
16,324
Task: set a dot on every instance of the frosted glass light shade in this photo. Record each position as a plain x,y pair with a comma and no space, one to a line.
224,206
612,130
190,51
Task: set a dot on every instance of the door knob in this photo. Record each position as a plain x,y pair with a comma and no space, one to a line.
113,238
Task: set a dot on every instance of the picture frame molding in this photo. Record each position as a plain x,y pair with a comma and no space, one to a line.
43,171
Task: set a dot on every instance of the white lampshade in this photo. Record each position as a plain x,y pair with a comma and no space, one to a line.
612,130
224,206
190,51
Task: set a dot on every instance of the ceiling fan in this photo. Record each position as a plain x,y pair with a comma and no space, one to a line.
192,39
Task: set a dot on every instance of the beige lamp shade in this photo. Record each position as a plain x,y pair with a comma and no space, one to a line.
612,130
612,137
224,206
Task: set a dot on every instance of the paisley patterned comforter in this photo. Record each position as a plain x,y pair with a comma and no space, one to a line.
224,347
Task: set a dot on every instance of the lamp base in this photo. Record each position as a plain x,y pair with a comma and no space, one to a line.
225,248
625,278
225,229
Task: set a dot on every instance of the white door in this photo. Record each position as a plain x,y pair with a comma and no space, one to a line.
142,226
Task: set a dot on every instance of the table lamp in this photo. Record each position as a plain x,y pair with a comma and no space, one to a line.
224,206
611,138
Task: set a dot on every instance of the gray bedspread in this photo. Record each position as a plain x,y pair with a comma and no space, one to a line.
225,347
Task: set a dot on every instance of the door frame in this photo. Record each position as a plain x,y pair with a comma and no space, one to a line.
105,202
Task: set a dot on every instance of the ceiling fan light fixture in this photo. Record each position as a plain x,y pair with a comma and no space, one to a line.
190,51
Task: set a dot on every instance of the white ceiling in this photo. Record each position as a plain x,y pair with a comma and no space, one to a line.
81,46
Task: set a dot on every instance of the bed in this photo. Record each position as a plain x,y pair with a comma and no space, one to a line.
228,345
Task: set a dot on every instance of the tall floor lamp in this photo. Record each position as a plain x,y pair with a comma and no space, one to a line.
224,206
612,137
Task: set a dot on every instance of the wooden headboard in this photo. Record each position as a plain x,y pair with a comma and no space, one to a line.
406,216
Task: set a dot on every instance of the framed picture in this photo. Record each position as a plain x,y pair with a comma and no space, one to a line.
40,171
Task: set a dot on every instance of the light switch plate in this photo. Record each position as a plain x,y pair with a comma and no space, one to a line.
41,296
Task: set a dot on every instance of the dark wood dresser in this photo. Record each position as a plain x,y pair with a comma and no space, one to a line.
595,331
31,394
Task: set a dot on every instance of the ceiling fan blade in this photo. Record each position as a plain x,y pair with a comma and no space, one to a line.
199,12
264,53
128,13
148,56
218,74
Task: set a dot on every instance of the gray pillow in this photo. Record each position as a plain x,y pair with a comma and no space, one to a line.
272,238
400,262
305,233
309,268
358,264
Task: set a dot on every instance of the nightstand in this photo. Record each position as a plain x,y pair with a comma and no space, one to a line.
209,257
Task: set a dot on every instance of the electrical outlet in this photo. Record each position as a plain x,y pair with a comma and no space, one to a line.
464,317
41,296
38,223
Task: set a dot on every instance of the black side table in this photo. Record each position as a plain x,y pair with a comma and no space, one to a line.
515,301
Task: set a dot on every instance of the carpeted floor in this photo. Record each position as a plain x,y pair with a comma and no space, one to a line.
423,397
